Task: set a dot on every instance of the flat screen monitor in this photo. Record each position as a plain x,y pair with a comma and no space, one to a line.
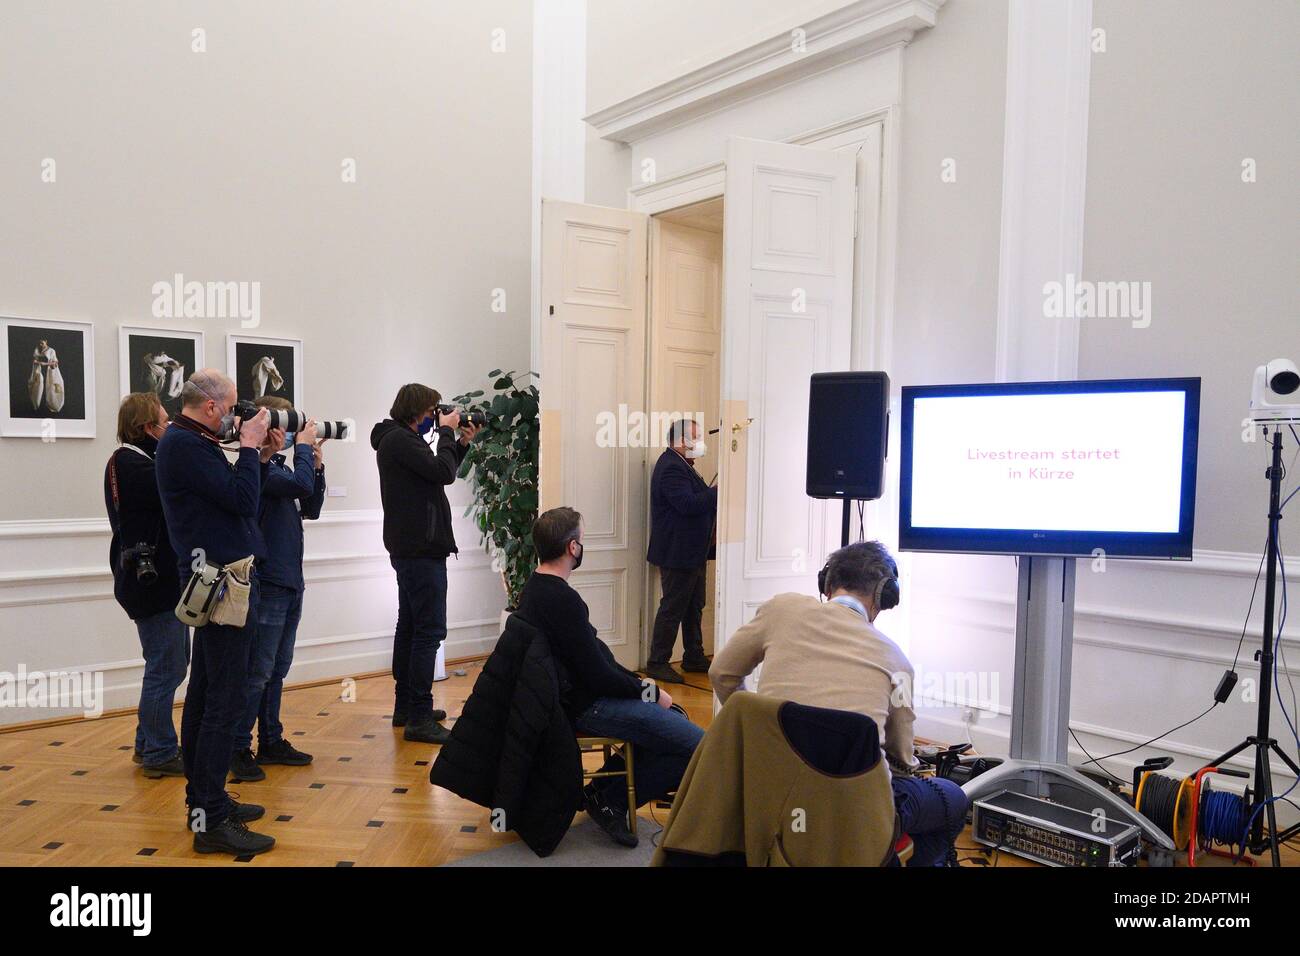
1051,468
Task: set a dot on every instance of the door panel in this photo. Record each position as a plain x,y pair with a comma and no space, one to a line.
593,343
788,307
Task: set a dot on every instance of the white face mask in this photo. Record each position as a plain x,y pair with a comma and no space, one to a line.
698,449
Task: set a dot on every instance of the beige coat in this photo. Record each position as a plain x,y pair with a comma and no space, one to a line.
823,655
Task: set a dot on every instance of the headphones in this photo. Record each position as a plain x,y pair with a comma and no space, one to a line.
887,590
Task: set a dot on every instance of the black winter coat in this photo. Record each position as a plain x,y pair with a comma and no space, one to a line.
683,511
513,749
412,489
137,516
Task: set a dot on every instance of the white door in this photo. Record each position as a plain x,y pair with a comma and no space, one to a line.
593,354
788,307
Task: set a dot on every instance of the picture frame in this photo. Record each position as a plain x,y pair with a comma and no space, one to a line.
47,378
260,365
158,360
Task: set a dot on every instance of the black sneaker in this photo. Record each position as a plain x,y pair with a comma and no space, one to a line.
231,836
168,768
244,768
282,752
241,812
400,717
696,667
663,672
429,732
613,822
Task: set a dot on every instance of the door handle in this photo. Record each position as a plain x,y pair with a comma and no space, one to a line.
736,429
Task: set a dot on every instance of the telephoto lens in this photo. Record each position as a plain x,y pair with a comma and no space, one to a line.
331,429
477,419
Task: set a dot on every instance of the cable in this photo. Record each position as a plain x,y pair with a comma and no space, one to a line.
1120,753
1091,758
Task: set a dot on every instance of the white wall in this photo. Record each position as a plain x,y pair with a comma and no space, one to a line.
226,165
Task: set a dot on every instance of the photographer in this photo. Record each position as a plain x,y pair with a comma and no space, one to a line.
145,579
418,537
289,495
212,508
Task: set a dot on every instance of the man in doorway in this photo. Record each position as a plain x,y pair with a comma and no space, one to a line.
683,514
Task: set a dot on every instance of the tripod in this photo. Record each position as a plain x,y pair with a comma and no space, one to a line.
1264,745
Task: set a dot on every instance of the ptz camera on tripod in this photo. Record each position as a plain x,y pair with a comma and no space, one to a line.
1276,379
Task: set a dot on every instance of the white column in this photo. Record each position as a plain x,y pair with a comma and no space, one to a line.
559,134
1043,176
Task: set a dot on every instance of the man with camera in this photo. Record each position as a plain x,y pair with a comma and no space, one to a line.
212,508
145,579
289,495
418,536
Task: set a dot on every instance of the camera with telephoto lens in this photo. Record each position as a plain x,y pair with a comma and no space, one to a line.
467,417
290,421
140,558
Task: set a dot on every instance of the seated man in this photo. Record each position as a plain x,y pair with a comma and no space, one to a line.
831,655
601,698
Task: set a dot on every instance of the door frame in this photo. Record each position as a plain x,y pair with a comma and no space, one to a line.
873,275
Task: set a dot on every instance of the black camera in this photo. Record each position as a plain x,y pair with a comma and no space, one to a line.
290,421
140,558
477,419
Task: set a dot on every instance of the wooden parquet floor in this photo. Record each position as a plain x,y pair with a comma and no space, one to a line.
70,795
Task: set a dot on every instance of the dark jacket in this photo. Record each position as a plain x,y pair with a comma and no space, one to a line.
584,663
288,496
683,511
211,505
412,483
137,516
513,750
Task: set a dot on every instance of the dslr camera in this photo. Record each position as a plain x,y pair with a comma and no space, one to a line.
477,419
290,421
140,558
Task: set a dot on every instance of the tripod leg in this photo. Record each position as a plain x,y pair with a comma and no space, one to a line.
1268,809
1285,758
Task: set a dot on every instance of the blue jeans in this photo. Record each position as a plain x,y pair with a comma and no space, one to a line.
662,743
165,642
421,628
214,712
932,812
269,661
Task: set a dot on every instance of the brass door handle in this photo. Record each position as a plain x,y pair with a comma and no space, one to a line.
741,426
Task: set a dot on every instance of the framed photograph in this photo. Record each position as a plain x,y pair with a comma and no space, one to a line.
48,379
262,366
158,361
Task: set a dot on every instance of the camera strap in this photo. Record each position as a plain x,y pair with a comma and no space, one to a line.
112,484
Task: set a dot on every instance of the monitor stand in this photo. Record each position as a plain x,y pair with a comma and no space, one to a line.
1040,706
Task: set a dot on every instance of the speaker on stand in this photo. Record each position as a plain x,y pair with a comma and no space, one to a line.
848,438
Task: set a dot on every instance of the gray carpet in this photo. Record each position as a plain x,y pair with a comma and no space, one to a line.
584,845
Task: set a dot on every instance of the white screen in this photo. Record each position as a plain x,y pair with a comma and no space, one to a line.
1107,461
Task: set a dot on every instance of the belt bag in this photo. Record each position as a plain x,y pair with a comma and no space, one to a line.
217,595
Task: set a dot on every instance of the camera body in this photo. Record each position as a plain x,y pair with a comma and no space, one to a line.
477,419
1277,380
140,558
290,421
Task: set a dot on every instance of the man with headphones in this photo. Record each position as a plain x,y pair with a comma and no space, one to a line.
830,654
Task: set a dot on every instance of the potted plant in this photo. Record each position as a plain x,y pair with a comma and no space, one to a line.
501,467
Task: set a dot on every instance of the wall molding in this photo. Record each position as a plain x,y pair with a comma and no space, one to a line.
850,32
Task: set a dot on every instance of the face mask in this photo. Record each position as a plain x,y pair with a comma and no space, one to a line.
426,425
226,429
698,449
577,561
289,438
